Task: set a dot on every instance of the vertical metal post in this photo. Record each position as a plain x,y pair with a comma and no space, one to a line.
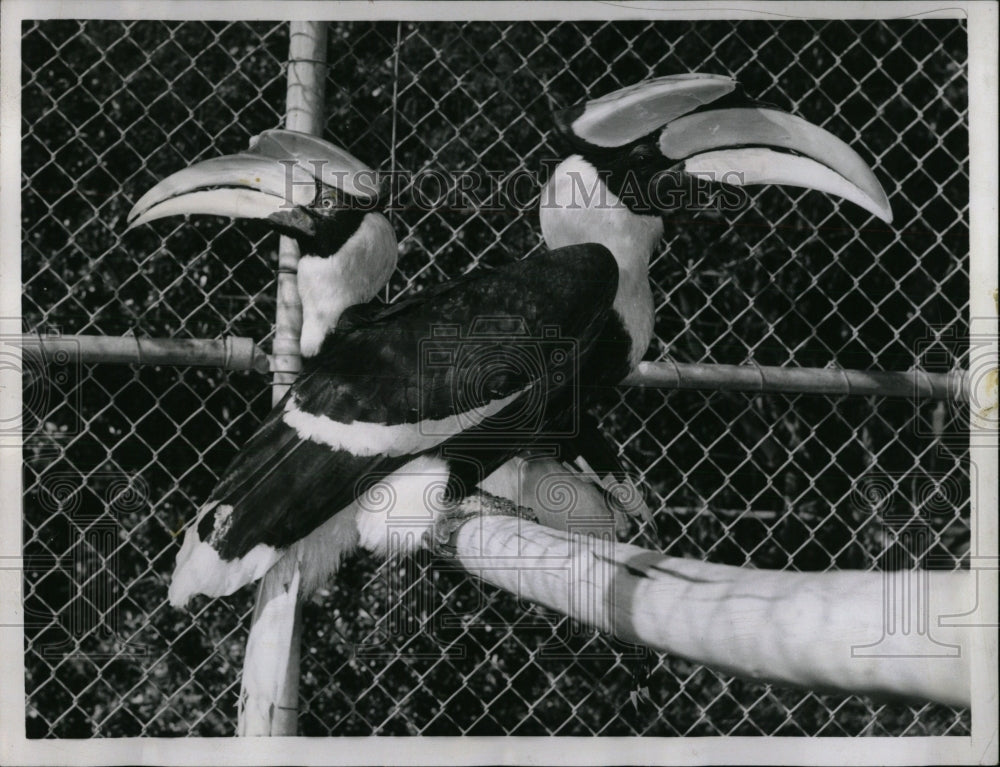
269,697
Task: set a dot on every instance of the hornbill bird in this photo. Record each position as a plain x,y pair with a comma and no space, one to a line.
406,416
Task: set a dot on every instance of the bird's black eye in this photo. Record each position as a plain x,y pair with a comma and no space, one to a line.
327,203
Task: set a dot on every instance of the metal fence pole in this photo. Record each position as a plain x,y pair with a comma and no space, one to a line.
270,687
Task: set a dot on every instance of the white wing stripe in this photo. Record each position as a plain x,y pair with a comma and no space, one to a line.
363,438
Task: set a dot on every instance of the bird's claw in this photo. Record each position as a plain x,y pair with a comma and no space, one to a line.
479,503
445,526
626,498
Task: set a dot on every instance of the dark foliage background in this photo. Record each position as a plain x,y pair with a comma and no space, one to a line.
118,458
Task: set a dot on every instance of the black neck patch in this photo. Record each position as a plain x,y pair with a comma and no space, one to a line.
322,228
333,230
636,173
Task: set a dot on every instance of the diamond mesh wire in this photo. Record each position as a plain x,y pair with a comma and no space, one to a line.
117,458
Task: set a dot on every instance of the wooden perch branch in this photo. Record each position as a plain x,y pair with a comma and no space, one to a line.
858,632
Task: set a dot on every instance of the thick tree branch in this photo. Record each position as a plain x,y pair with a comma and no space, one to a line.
859,632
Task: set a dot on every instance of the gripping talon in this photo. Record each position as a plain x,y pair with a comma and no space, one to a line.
626,498
497,506
446,525
476,504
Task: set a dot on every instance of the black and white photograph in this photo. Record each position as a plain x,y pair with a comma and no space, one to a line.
467,383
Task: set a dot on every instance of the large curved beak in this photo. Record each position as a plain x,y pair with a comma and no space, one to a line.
758,145
278,172
744,144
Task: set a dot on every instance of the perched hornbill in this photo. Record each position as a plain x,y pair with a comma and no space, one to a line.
407,416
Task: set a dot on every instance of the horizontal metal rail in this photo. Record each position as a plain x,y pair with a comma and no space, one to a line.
229,353
915,384
236,353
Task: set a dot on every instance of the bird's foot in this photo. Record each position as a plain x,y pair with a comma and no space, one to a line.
473,505
625,499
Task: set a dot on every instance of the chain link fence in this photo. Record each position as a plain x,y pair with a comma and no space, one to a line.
117,458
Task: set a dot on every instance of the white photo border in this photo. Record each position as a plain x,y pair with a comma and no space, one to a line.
980,748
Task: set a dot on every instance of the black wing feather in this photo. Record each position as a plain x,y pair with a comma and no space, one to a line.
281,486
